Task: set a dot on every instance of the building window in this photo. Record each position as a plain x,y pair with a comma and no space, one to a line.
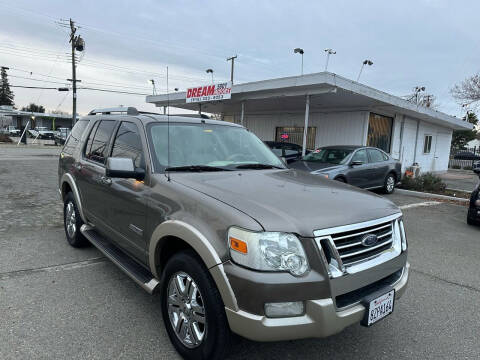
427,144
295,135
380,132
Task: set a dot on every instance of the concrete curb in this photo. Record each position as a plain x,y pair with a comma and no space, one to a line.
430,196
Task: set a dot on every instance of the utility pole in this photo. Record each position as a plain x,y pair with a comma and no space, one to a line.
233,64
77,44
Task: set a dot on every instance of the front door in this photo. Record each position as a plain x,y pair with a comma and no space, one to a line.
358,175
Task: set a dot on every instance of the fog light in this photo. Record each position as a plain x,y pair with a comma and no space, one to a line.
477,203
284,309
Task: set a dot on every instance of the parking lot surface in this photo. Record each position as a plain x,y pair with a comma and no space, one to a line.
460,179
57,302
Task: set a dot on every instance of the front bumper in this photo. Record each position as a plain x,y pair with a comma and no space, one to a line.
321,319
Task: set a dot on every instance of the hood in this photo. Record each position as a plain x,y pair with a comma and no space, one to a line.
289,200
311,166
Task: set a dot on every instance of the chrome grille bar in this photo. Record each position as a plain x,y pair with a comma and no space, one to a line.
361,233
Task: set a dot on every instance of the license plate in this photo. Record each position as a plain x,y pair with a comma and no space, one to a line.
378,307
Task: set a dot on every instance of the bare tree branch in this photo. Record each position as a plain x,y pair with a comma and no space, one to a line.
468,91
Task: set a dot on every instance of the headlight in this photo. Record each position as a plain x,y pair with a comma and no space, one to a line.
268,251
325,175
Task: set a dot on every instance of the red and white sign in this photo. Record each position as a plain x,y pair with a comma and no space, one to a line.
212,92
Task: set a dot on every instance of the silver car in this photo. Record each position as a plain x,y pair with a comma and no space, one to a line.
365,167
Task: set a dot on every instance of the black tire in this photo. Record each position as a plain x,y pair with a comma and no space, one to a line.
217,335
389,183
341,179
75,238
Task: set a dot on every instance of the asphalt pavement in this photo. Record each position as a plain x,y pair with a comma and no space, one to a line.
57,302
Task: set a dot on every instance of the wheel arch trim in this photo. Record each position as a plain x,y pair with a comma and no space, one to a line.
195,239
68,178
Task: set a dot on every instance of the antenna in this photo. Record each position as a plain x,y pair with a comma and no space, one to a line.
168,130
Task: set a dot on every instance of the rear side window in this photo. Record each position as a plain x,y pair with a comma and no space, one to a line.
97,145
360,155
128,144
375,155
75,136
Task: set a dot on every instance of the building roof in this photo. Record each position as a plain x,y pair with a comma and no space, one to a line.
329,92
9,111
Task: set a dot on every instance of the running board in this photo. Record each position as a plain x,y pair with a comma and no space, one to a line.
138,273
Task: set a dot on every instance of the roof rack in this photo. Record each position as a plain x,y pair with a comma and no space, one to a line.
108,111
201,116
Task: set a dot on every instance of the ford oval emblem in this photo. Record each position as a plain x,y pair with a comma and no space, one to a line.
369,240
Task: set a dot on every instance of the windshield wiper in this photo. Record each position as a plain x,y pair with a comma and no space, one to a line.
194,168
257,166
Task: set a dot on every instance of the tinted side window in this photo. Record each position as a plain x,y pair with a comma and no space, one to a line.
96,149
75,136
128,144
90,138
375,155
360,155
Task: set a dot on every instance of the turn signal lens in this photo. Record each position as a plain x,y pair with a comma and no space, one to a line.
238,245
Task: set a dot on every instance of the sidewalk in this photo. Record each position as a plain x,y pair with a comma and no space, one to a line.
460,179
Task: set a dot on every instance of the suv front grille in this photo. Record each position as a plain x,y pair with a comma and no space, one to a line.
349,244
356,247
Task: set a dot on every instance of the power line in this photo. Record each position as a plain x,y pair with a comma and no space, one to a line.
41,80
34,87
112,91
126,86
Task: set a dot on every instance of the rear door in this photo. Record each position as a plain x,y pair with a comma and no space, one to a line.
126,197
91,168
379,167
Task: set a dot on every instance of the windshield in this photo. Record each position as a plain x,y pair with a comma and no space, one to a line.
219,146
329,155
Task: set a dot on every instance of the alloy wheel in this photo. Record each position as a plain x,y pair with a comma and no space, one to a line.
70,220
390,183
186,310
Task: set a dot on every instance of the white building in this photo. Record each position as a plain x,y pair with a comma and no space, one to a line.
337,111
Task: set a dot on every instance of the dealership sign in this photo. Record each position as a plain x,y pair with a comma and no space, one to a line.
212,92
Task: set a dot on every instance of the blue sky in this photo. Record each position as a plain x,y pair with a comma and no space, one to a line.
431,43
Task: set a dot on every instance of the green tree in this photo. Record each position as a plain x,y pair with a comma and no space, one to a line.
460,138
6,95
34,108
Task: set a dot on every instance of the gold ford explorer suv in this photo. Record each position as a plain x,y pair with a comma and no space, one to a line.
204,213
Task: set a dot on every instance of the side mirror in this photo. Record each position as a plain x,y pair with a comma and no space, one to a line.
123,168
356,163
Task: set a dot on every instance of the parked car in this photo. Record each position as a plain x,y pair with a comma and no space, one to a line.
287,151
473,217
466,155
12,131
365,167
42,132
61,136
203,212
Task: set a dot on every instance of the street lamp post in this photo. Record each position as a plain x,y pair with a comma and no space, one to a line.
299,51
210,71
329,52
154,89
365,62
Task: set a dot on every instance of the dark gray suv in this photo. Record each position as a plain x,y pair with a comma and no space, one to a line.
204,213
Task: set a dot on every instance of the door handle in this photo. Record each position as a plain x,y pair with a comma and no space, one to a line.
105,180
